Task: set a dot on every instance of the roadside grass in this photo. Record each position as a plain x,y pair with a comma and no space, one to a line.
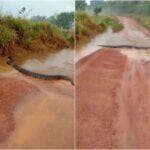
143,20
24,38
88,26
106,21
24,32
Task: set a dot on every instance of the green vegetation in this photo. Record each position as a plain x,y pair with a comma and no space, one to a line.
143,20
89,26
19,34
97,10
139,10
123,7
86,28
95,18
64,20
106,21
80,5
7,36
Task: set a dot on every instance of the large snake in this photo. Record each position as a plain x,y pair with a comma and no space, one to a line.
124,46
11,62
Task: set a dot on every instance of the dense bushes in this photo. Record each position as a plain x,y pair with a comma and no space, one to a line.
23,32
108,21
63,20
86,28
7,38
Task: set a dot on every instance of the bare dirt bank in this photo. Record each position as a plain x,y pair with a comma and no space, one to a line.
113,93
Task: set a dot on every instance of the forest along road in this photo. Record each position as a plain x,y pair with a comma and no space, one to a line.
36,113
113,92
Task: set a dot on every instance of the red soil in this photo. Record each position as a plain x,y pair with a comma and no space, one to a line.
113,94
11,91
35,113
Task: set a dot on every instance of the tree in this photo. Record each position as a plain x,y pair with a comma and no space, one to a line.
80,5
64,20
38,18
97,10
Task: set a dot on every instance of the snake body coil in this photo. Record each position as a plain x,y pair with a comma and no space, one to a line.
37,75
124,46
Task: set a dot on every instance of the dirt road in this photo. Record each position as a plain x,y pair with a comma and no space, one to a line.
35,113
132,34
113,94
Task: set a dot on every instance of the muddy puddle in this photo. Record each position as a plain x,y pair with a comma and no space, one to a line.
130,35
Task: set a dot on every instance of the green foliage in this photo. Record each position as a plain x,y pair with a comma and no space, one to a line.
88,26
80,5
6,36
85,24
48,31
97,10
143,20
24,33
124,7
22,27
109,21
38,18
64,20
69,36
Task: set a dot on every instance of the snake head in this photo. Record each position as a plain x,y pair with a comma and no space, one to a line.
10,60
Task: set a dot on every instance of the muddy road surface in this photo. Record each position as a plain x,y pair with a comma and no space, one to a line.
36,113
113,92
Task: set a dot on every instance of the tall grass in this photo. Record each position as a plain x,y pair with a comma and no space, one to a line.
106,21
86,28
23,33
7,38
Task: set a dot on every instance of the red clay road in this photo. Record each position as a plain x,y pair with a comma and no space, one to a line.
35,113
113,101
